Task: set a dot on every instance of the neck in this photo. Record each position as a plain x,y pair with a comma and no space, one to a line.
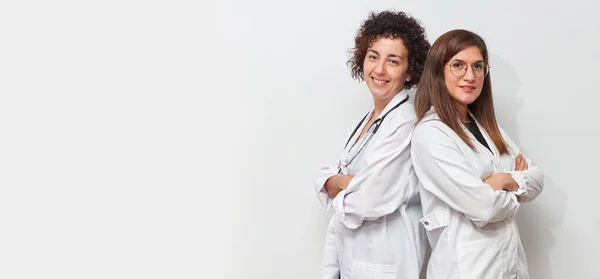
379,105
462,113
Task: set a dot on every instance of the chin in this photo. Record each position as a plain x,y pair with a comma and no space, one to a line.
467,103
380,96
466,100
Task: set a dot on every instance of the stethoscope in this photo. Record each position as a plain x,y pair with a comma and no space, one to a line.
353,153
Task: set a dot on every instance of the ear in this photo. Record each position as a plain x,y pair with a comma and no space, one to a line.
408,76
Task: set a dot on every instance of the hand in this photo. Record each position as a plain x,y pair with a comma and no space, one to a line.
336,184
502,181
344,180
521,163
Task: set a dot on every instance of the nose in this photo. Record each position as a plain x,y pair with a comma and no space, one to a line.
380,67
469,75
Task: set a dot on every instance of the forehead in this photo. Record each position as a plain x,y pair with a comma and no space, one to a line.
387,46
469,54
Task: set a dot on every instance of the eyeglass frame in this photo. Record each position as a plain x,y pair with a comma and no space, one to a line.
469,66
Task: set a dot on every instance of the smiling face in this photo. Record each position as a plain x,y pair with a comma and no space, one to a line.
385,68
464,88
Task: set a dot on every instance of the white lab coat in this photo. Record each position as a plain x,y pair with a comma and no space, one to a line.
471,228
375,230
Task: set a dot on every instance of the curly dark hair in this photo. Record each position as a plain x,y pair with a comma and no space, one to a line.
392,25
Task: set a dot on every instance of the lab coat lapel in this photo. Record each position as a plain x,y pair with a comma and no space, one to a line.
480,147
393,102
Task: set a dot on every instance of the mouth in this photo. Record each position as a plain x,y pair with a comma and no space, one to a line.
379,81
467,88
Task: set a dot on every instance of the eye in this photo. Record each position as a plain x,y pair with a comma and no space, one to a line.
393,62
478,66
372,57
459,65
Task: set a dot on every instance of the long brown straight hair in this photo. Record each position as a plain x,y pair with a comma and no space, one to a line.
432,90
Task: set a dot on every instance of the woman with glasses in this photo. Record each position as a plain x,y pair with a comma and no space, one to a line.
472,177
375,231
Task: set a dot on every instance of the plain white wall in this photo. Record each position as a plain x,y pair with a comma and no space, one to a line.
176,139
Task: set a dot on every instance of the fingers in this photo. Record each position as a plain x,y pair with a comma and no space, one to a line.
521,163
524,165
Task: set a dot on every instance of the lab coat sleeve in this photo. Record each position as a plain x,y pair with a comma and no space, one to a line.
530,181
328,170
331,169
325,173
443,170
386,182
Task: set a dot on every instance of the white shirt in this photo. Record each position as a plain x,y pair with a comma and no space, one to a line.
471,228
375,231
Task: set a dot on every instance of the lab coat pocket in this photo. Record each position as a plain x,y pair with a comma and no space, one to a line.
363,270
481,259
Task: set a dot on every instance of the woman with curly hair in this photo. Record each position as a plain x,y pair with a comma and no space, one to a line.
372,188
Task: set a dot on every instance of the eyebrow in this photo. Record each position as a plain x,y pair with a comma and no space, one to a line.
466,62
390,55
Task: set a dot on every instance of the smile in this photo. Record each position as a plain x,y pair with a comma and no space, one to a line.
379,82
467,88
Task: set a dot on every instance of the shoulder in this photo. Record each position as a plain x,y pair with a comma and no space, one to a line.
431,121
512,147
503,133
431,130
402,116
399,122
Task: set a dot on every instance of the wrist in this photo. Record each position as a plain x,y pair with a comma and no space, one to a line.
510,184
331,186
336,182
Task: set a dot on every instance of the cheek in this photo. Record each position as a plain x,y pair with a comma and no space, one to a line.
367,68
450,83
449,79
369,65
480,83
398,75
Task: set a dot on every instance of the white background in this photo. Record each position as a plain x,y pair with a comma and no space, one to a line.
172,139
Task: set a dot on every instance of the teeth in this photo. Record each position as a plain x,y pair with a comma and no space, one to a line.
379,81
